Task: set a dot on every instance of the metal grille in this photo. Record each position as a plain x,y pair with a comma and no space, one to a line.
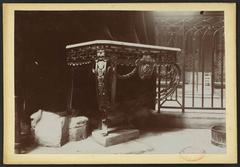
201,39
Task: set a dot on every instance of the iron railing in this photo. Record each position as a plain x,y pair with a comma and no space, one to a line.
201,39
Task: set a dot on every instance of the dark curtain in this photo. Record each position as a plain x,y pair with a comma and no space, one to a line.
42,77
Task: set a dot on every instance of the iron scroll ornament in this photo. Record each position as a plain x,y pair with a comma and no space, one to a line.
169,73
171,76
146,67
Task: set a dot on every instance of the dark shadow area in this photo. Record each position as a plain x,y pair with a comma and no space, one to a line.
147,121
42,77
26,144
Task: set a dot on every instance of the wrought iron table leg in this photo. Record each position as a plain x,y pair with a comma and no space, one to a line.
104,105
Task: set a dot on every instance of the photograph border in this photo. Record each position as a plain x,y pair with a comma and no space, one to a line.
9,157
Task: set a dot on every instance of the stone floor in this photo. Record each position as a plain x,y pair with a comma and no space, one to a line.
171,141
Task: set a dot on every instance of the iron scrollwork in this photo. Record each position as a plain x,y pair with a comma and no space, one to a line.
128,75
170,73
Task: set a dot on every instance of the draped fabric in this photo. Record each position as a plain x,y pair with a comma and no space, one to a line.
42,77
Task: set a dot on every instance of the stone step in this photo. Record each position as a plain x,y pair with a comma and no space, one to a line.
116,137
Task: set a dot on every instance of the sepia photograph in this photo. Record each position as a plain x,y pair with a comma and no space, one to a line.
122,82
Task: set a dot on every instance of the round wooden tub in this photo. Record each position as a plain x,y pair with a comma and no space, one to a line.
219,135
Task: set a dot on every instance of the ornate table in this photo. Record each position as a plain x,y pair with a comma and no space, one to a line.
146,60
